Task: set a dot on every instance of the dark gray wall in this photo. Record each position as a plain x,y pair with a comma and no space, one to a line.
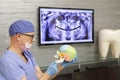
107,15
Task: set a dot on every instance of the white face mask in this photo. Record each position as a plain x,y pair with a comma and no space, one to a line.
28,45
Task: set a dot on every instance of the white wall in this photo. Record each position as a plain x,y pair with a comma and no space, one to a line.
107,15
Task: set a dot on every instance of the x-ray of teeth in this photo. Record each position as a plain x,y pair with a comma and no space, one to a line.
65,25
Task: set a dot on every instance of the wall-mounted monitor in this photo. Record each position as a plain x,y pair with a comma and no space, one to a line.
65,25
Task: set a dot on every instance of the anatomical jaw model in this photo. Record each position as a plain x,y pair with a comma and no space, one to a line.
109,39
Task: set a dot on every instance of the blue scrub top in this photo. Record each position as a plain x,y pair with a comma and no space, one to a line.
12,67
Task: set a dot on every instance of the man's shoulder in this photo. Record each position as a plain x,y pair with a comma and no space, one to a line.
7,56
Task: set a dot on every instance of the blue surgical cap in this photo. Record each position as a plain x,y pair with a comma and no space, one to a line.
20,26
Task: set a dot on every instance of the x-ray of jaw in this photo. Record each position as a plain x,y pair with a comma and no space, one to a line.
67,26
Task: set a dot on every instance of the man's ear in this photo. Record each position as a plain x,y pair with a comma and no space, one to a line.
18,36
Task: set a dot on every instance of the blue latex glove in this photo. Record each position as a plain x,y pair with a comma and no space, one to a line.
65,63
52,69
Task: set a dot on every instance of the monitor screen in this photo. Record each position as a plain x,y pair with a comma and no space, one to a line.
65,25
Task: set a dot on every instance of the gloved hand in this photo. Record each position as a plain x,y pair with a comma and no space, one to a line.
65,63
52,69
